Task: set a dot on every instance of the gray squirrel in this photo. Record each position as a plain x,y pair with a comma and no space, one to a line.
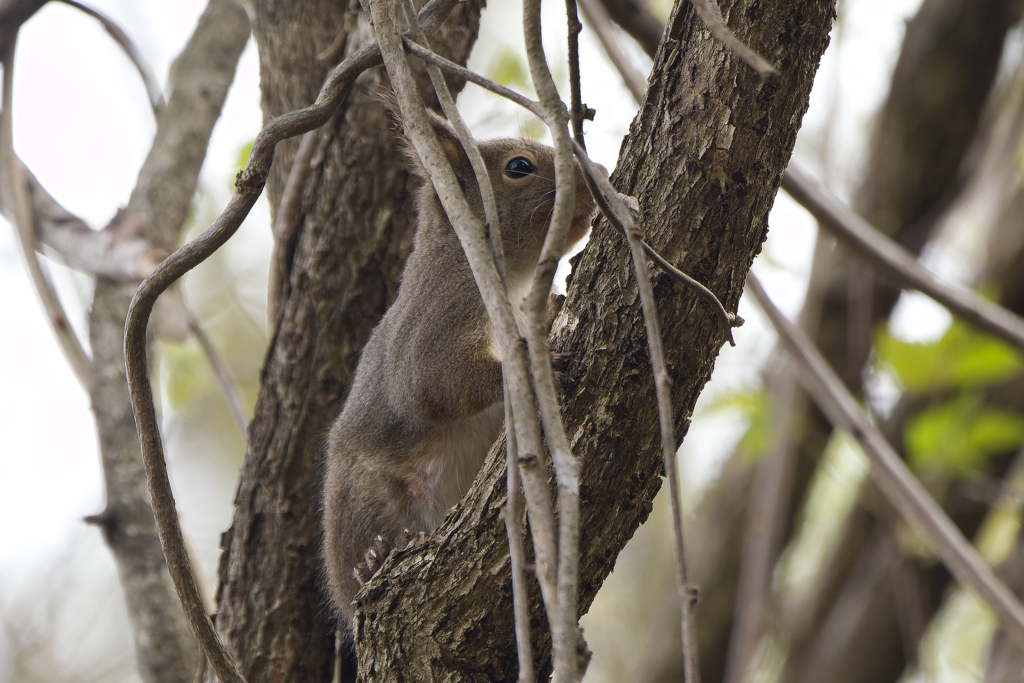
425,404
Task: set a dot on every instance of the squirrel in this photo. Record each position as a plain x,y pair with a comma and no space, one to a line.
425,404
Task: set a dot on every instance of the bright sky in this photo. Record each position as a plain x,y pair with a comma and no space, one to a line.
83,126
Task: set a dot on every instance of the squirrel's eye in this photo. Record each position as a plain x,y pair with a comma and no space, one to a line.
519,168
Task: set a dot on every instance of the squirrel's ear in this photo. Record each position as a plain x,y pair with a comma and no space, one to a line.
445,133
450,144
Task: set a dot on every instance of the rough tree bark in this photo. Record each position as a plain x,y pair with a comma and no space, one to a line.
704,158
353,240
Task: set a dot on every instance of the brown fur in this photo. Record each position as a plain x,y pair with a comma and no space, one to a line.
425,404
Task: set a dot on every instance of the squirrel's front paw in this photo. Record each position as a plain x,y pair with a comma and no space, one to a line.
376,555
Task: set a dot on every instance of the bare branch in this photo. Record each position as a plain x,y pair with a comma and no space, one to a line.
513,514
599,21
471,76
896,261
20,207
890,473
565,633
156,97
517,553
577,112
711,15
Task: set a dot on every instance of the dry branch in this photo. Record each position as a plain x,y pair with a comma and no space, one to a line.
896,262
890,473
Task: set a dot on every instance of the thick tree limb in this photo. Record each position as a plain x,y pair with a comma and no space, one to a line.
117,253
158,207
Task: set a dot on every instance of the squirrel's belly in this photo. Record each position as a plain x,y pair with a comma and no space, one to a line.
454,463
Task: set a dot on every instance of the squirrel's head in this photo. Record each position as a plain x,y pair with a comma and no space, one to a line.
522,173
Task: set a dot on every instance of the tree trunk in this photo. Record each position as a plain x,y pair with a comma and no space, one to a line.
704,158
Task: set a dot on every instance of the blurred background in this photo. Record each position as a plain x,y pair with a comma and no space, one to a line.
844,581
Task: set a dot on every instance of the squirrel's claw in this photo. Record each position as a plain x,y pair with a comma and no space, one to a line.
375,556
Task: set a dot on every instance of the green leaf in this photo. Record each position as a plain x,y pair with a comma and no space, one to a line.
958,436
960,359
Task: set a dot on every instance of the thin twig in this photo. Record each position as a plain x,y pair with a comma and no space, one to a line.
711,15
156,97
619,213
602,25
726,320
896,261
565,634
577,112
472,76
248,186
517,553
21,213
483,178
890,473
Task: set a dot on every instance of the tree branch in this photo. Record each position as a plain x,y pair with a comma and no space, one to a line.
896,261
890,473
598,20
